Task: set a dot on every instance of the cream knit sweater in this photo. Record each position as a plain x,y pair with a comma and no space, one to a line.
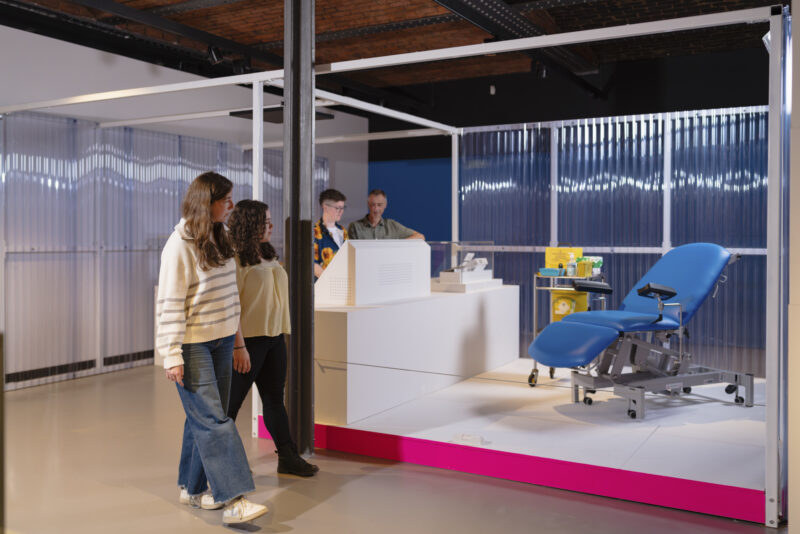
193,306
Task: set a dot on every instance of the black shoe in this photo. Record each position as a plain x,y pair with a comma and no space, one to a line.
294,464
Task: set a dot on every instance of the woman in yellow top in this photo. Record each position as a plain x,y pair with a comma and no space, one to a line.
259,350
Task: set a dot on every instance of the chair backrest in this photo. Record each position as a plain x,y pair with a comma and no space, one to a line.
692,270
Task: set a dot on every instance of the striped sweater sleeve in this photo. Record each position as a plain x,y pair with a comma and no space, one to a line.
173,284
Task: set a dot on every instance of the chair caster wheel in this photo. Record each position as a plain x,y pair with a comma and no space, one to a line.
552,372
730,388
587,401
687,390
533,377
739,400
632,414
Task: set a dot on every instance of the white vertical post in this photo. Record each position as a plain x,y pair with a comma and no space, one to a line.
774,315
258,194
666,244
553,185
455,194
3,231
258,141
99,261
793,491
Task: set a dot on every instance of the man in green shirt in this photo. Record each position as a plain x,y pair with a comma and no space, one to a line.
374,226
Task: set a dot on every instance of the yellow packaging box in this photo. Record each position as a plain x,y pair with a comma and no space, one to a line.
585,268
565,302
555,255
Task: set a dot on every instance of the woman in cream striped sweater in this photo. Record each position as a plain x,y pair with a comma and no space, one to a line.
198,315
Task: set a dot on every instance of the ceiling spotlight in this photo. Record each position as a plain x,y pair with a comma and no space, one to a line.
214,55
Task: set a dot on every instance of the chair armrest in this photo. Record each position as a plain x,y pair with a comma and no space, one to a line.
592,286
656,290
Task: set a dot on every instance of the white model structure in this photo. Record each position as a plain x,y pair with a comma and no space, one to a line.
370,271
470,275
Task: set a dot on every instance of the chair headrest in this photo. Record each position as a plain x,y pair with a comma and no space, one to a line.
692,270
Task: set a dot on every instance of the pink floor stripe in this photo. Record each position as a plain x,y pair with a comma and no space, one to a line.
715,499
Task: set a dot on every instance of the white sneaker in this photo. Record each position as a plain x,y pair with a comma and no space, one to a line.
204,501
242,510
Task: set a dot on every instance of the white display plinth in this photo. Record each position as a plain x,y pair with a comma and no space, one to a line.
438,285
375,271
371,358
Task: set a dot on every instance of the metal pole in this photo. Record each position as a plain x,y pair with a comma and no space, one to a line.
774,315
298,168
258,140
666,242
793,355
455,196
553,188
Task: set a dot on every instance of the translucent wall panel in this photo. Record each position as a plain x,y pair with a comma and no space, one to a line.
127,298
505,186
611,195
622,271
610,182
518,269
50,312
140,187
89,211
729,330
273,190
719,185
49,184
237,168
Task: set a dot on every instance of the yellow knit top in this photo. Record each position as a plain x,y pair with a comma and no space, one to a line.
264,296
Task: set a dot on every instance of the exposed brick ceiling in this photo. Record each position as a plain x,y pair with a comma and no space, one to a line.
351,29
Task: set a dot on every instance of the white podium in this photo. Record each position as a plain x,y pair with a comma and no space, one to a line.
375,271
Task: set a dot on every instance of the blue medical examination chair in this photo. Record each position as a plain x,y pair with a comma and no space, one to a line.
639,347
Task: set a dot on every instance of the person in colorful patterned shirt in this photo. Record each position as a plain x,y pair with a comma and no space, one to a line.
329,235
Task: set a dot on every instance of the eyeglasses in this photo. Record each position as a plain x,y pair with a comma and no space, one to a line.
335,208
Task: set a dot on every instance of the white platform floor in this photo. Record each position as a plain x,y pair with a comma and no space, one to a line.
701,436
99,455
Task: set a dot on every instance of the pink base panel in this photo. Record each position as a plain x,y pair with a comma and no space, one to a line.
704,497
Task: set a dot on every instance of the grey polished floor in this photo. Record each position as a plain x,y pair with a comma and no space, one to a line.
100,454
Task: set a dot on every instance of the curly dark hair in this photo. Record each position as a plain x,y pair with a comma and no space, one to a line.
212,241
247,224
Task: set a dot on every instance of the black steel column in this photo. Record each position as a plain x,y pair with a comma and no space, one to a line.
298,169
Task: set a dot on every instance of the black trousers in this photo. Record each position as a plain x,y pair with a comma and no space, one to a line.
268,371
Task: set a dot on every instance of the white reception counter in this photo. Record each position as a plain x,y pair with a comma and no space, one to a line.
371,358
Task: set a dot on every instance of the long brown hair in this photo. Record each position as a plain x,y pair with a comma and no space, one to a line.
211,239
248,223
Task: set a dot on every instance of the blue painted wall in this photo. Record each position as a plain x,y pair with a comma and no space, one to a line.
418,193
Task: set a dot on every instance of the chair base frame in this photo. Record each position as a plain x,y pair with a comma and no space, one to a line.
654,369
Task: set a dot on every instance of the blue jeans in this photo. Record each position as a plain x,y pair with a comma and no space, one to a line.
212,451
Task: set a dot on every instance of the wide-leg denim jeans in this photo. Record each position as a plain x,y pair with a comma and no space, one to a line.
212,451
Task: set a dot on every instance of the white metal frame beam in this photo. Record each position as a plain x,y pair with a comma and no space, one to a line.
744,16
192,116
355,138
145,91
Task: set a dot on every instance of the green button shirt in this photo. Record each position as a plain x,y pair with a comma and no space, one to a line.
385,229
